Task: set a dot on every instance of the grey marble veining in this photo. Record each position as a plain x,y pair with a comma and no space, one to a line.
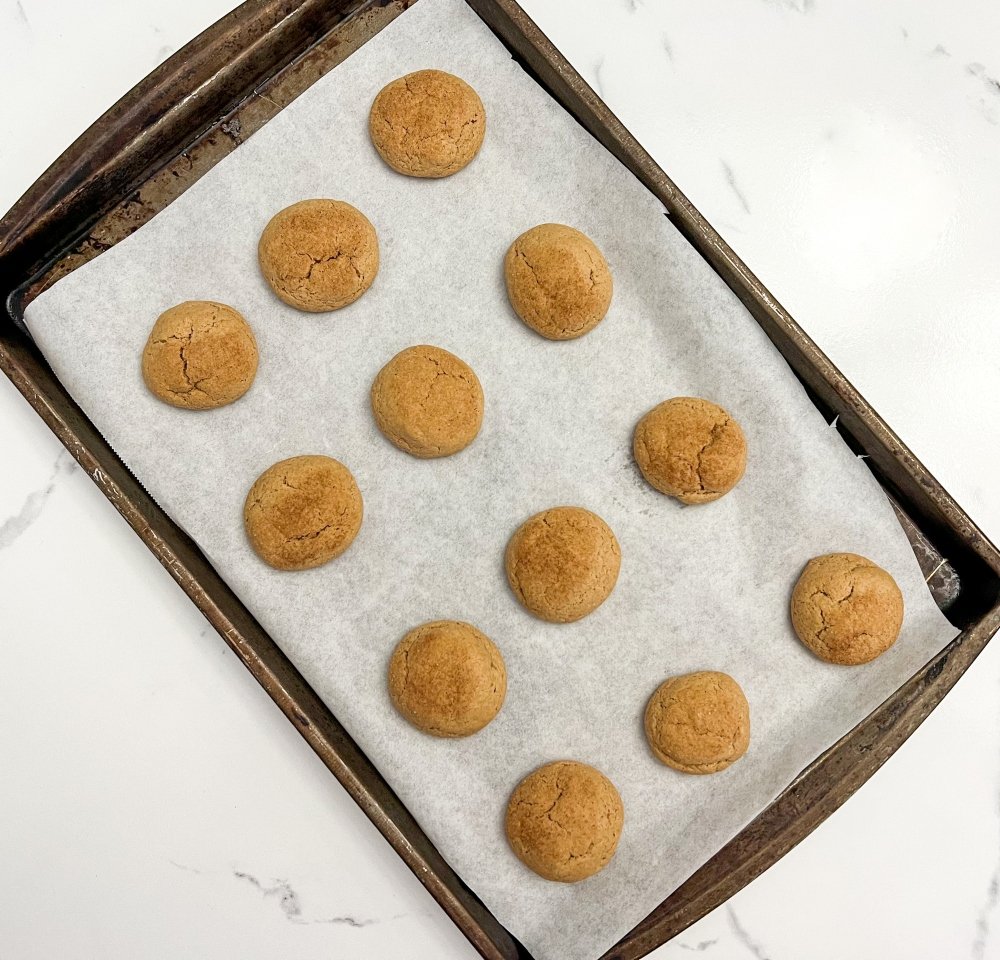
734,186
288,900
30,510
753,947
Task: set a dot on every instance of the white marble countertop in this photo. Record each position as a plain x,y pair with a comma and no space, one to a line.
155,802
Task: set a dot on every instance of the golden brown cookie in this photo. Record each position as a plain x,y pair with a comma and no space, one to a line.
690,449
447,678
427,124
846,609
428,402
302,512
199,355
564,820
699,722
558,281
563,563
319,255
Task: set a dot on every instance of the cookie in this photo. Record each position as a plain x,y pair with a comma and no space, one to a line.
447,678
846,609
564,821
699,722
319,255
558,281
427,124
427,402
690,449
563,563
302,512
199,355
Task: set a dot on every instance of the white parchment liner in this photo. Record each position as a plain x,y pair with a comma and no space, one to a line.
700,587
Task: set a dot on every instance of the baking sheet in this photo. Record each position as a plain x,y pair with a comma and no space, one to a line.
701,587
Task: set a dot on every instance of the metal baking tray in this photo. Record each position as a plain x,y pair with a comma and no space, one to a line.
197,107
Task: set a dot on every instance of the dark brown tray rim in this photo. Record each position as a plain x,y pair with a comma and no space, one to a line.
129,147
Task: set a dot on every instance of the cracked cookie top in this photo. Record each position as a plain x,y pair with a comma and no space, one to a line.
427,124
846,609
690,449
564,821
427,402
302,512
447,678
558,281
199,355
319,255
699,722
563,563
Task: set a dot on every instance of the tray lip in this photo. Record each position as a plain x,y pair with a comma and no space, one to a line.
975,635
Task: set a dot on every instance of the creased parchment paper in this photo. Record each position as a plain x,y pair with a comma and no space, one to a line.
700,587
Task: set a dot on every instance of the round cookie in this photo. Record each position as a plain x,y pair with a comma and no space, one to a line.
699,722
564,821
427,124
302,512
563,563
427,402
558,281
846,609
447,678
690,449
318,255
199,355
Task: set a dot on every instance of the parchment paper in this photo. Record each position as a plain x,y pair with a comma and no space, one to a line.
701,587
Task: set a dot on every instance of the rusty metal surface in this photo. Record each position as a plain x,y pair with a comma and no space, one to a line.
195,109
